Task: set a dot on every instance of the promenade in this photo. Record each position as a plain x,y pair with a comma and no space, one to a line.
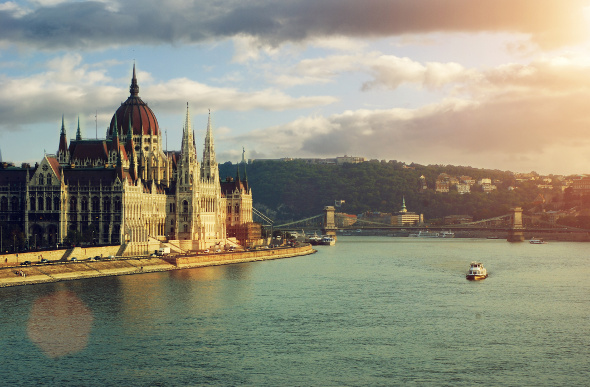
65,271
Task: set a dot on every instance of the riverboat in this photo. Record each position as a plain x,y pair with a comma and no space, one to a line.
537,241
424,234
315,239
446,234
476,272
328,241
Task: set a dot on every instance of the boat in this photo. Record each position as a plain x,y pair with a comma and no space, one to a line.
315,239
476,272
537,241
424,234
446,234
328,241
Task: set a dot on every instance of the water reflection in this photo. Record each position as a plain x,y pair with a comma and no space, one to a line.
59,324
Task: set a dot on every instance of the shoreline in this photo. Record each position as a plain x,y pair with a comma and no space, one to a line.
68,271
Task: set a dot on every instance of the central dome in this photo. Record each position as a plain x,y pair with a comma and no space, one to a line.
134,110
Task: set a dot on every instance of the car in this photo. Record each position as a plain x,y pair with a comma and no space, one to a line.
206,251
44,260
111,257
25,263
97,258
73,259
218,251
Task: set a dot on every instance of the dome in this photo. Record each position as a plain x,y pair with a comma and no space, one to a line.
143,119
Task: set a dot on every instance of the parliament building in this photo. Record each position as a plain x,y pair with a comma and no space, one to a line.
125,189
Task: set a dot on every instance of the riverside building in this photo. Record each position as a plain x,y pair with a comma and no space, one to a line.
125,189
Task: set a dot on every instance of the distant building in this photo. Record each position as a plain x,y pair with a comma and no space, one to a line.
581,186
345,220
406,218
457,219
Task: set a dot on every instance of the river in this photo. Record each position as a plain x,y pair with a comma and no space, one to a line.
367,311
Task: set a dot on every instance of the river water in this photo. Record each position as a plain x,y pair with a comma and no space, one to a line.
367,311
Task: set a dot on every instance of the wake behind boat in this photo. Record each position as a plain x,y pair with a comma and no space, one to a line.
476,272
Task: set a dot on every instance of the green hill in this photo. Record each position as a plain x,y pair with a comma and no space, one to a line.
291,190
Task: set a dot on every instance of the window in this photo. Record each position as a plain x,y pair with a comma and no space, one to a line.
56,203
48,203
33,202
84,204
41,180
14,204
185,206
95,204
106,204
4,204
117,204
49,179
185,228
73,204
40,204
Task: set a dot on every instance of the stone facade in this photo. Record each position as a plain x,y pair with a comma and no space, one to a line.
125,189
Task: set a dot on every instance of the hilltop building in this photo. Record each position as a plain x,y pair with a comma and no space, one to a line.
125,189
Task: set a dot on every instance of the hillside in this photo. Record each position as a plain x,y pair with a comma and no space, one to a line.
294,189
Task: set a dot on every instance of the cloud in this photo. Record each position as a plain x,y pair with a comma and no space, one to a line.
95,25
71,87
534,114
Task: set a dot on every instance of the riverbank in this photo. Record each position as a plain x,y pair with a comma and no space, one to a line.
66,271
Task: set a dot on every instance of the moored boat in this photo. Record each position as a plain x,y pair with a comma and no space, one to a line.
537,241
476,272
424,234
328,241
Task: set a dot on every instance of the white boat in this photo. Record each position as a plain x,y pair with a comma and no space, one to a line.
424,234
328,241
446,234
315,239
476,272
537,241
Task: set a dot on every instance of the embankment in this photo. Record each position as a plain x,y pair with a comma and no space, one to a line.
64,271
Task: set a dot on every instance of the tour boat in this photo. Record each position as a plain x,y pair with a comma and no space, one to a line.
537,241
315,239
328,241
477,272
424,234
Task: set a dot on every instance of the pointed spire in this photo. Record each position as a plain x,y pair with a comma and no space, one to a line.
78,132
134,88
63,126
404,204
62,150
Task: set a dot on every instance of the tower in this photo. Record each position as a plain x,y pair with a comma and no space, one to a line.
209,168
63,154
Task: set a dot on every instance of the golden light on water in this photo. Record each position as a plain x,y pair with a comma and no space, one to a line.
59,324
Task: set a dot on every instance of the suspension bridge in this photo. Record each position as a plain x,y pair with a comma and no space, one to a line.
514,224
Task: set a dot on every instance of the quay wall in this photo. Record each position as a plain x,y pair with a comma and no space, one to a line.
66,270
56,255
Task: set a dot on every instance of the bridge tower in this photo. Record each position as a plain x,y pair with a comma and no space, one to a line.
329,224
516,233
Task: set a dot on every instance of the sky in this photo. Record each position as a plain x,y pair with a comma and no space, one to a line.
497,84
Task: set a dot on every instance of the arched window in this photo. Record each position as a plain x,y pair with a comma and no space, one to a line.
40,203
84,204
56,203
49,179
229,209
117,204
95,204
106,204
73,204
4,204
41,182
237,211
33,203
185,228
48,203
185,206
14,204
172,222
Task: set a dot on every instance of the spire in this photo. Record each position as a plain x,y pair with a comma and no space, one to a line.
63,126
78,132
62,150
209,169
134,88
404,204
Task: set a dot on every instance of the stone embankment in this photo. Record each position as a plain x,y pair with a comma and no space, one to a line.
63,271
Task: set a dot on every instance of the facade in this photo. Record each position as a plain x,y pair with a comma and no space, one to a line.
405,217
125,189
